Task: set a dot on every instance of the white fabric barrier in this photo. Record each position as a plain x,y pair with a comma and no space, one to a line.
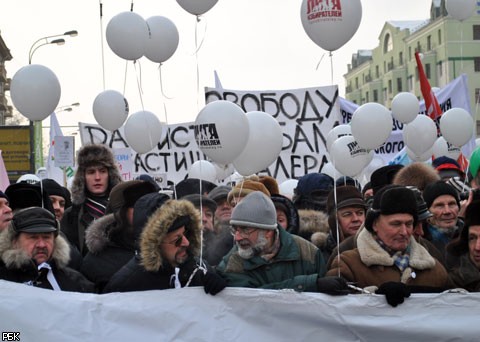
235,314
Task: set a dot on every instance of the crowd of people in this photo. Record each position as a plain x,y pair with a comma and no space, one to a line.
413,228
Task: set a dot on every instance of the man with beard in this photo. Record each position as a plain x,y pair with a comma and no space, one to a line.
33,253
268,257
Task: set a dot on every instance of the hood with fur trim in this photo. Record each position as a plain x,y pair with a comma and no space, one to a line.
96,236
313,226
16,258
157,227
88,155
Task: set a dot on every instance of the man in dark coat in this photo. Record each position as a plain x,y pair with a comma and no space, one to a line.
32,252
168,257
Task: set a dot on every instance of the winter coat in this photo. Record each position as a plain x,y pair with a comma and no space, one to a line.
108,251
370,265
297,265
148,270
466,275
313,226
293,218
17,266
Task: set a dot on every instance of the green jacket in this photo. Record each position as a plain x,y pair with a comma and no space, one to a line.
297,266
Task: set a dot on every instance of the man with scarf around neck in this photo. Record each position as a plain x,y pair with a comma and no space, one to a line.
96,175
32,252
266,256
388,259
169,249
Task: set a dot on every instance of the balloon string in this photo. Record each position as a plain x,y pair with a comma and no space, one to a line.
164,103
125,78
197,48
102,53
138,75
161,83
320,61
331,66
461,47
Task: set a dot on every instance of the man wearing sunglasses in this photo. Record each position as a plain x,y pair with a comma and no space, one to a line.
265,256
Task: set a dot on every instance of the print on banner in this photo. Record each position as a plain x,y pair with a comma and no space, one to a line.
324,9
206,136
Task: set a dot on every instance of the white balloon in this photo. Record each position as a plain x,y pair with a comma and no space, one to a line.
222,131
287,187
126,35
456,125
330,24
162,40
348,157
223,171
35,91
460,9
419,158
143,131
263,146
420,134
371,125
197,7
203,169
405,107
330,170
337,132
110,109
442,148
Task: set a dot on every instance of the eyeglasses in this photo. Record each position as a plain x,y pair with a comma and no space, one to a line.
177,242
243,231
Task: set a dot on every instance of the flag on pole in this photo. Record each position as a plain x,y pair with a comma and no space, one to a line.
4,181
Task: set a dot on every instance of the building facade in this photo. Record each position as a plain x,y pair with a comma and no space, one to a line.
449,48
5,109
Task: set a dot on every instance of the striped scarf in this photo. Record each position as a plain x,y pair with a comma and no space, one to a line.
95,207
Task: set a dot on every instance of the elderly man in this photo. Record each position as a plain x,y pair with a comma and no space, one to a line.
5,211
168,257
387,256
467,247
32,252
271,258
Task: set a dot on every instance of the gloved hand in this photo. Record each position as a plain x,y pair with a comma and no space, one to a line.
213,283
395,292
332,285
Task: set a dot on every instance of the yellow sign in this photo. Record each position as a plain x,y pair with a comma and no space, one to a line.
15,144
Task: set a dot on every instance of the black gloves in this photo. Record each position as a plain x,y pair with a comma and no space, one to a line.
333,286
395,292
213,283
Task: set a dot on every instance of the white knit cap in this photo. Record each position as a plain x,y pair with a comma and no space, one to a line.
255,210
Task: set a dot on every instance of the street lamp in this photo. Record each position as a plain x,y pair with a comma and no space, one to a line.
68,108
37,125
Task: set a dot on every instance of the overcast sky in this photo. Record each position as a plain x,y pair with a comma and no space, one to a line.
253,45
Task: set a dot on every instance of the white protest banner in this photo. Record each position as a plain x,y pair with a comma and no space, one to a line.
123,157
306,116
64,151
453,95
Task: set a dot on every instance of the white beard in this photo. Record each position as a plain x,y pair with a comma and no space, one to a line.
257,249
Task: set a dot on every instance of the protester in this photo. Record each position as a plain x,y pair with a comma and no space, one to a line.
448,168
266,256
383,176
242,189
467,247
387,258
287,215
168,258
5,212
224,209
59,196
190,186
110,239
33,253
97,173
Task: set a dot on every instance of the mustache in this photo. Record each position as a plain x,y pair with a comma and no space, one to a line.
40,250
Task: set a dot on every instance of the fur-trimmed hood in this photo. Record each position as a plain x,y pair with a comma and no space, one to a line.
157,226
88,155
16,258
371,253
96,236
313,226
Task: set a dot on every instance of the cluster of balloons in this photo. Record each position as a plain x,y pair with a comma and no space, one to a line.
460,9
250,142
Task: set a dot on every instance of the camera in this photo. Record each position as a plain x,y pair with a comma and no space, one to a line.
475,195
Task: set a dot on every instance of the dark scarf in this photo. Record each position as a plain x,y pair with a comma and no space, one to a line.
95,207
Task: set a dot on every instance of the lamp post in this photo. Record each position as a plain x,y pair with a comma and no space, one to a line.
37,125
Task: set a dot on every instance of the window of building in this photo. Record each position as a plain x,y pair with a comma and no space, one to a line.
419,47
440,69
400,58
476,32
476,64
356,82
477,95
410,83
384,93
367,96
427,70
384,67
375,95
399,84
387,43
389,86
429,43
377,71
409,52
439,37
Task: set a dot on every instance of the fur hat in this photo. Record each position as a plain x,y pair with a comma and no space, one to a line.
91,155
416,174
383,176
24,195
255,210
244,188
192,186
459,245
389,200
270,183
439,188
125,194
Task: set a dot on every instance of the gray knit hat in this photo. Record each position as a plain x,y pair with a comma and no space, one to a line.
255,210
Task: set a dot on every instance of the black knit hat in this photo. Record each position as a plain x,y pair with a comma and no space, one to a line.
459,245
2,195
383,176
439,188
389,200
144,207
55,189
